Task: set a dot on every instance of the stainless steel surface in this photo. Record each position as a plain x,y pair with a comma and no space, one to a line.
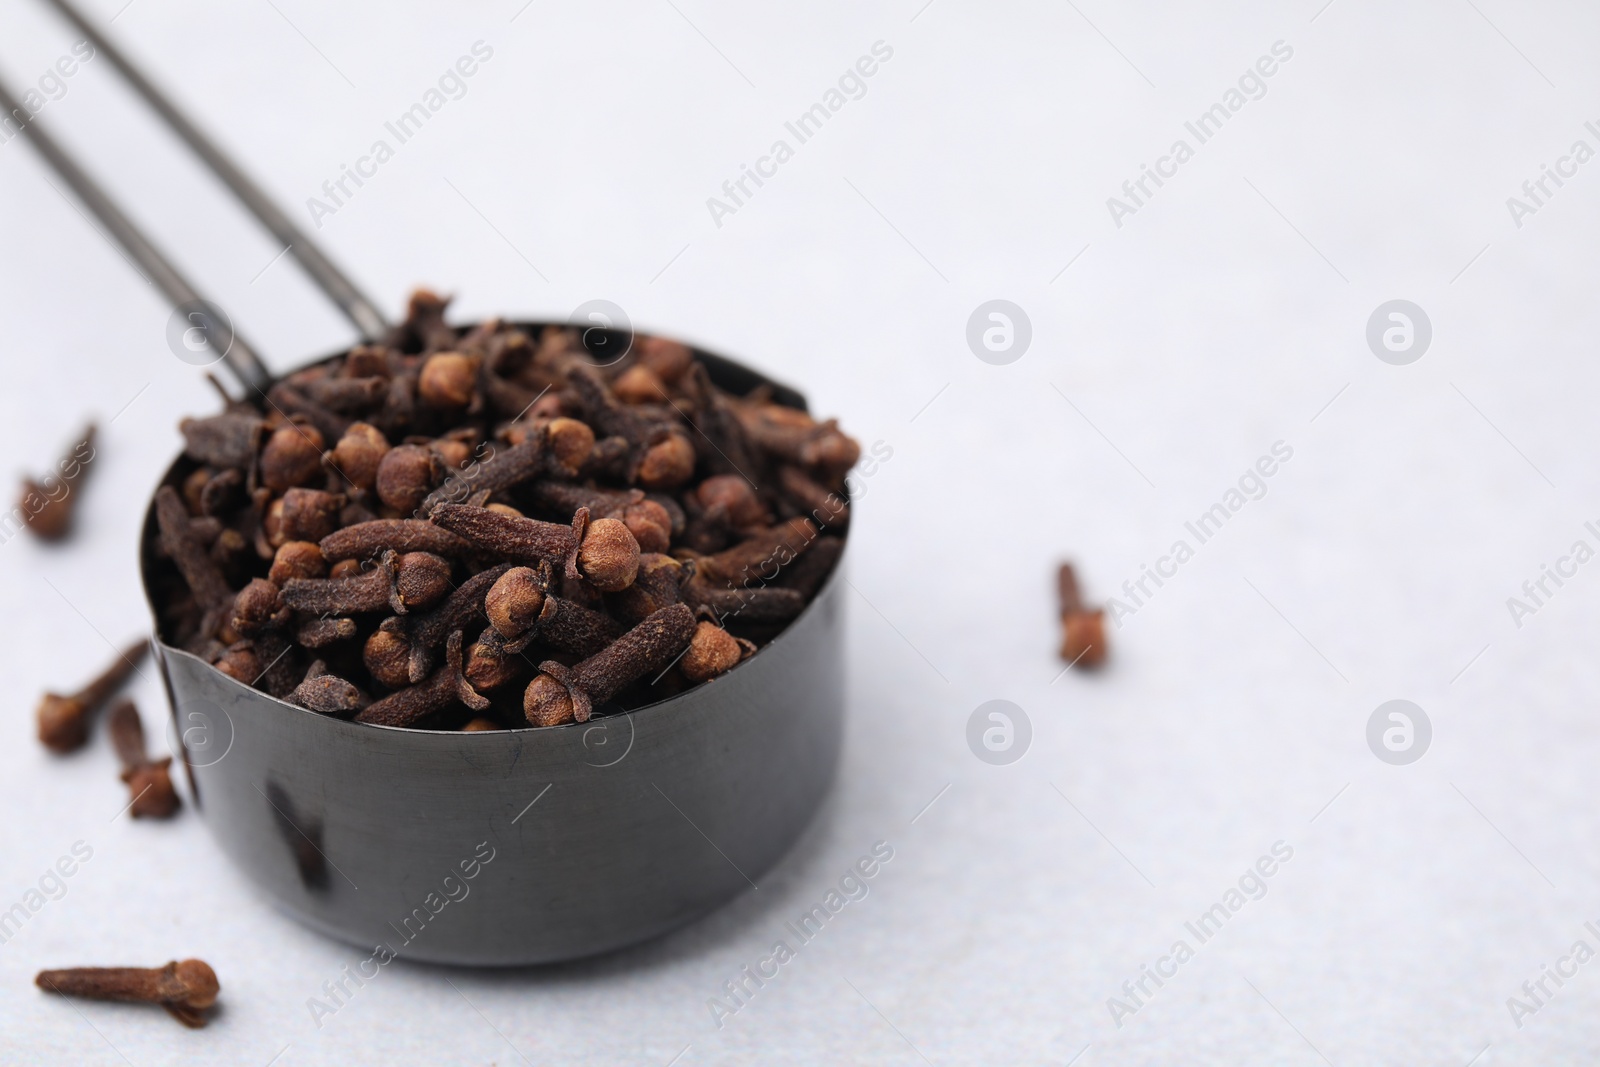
328,277
156,269
600,834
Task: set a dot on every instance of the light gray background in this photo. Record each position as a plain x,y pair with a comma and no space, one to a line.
1227,314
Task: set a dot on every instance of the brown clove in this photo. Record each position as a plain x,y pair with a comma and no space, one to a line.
602,551
447,686
46,506
64,720
185,989
148,780
561,694
1083,635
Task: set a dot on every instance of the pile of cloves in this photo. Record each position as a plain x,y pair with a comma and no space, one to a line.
487,527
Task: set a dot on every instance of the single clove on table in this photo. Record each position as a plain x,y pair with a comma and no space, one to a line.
186,989
483,527
148,780
63,721
1083,632
47,505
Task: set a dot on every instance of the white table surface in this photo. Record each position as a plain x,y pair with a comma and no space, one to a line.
1228,313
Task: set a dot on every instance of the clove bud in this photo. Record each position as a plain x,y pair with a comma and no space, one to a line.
1083,636
712,651
562,694
185,989
64,720
46,506
148,780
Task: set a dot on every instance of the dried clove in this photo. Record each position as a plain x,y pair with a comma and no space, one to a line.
406,475
222,492
1083,635
289,401
713,651
604,551
399,582
735,497
608,555
662,456
561,694
608,460
639,385
148,780
755,604
824,506
292,457
658,584
46,506
297,559
667,360
806,574
569,443
230,439
724,445
490,665
566,627
514,602
322,632
204,576
259,607
760,557
425,633
347,395
186,989
387,656
64,720
369,540
359,454
302,515
448,380
648,520
328,694
503,470
446,686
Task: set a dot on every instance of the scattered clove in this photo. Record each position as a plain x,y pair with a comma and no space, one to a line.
1083,636
185,989
46,506
148,780
64,720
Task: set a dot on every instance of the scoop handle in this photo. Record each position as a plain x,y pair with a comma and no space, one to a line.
329,278
144,256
